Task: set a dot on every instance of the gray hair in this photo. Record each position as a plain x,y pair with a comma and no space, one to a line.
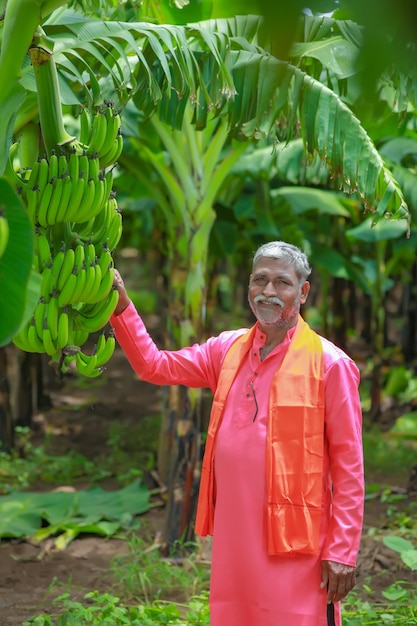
288,253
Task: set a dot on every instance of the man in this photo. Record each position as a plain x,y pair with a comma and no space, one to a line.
282,486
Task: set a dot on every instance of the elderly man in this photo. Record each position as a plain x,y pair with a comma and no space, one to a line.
282,486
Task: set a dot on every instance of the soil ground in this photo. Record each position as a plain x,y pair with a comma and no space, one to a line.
80,418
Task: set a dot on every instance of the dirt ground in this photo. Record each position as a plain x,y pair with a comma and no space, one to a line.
80,418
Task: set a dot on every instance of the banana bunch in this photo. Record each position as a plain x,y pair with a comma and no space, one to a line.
91,365
102,133
78,224
66,188
4,232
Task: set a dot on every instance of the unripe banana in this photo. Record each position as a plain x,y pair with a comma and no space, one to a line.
98,133
43,249
34,174
114,233
62,165
52,317
66,295
66,268
74,165
35,344
53,206
77,193
4,232
105,352
53,165
105,287
110,157
94,317
43,174
67,188
48,343
85,127
86,364
86,201
39,315
63,329
44,201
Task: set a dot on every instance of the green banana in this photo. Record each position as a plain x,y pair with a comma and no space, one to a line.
34,174
54,202
65,295
66,268
43,249
86,364
85,127
105,351
47,282
61,214
62,165
86,201
52,317
43,174
63,329
4,232
77,191
77,296
110,157
39,315
114,233
98,133
48,343
95,286
53,165
32,200
94,317
44,201
105,287
35,344
93,167
73,165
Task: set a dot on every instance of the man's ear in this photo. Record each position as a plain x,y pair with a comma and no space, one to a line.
305,288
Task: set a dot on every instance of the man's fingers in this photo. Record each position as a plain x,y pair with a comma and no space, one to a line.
340,580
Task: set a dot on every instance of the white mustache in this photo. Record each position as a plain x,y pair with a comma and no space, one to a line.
271,300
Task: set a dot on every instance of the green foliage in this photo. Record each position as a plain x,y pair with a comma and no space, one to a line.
387,456
399,608
107,610
64,515
143,575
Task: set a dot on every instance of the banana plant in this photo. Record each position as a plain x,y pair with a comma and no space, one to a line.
184,170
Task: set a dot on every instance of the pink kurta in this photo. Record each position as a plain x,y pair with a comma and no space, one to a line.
248,587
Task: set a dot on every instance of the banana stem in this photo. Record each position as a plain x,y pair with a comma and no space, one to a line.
49,99
21,20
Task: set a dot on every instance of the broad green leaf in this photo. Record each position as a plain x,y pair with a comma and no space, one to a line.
15,265
336,54
398,544
304,199
409,557
399,147
17,519
381,231
93,511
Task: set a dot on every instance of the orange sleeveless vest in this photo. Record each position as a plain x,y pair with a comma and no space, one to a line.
295,434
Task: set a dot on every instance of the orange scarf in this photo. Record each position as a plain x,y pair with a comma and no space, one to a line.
295,433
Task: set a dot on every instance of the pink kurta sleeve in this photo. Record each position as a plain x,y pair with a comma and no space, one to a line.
194,366
343,433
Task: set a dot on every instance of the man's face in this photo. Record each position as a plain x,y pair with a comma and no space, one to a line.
275,293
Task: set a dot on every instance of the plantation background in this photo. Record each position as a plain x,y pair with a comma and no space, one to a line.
229,128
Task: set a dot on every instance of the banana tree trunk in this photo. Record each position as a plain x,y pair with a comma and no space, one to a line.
180,442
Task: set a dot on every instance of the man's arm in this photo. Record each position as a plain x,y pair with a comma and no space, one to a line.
344,441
